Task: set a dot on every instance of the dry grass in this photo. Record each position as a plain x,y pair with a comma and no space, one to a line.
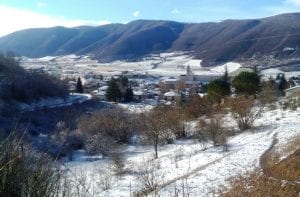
279,178
292,146
260,185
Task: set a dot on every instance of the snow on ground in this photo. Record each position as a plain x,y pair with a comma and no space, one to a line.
164,64
273,72
205,169
136,107
231,67
245,151
47,58
55,102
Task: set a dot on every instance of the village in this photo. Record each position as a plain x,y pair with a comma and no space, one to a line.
158,79
155,79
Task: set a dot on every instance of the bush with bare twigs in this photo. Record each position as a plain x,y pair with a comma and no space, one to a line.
244,112
118,162
66,140
211,129
149,177
106,129
269,92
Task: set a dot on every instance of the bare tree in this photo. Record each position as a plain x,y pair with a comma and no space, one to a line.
175,121
156,129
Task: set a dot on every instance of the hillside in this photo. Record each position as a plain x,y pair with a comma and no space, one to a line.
278,36
19,85
188,167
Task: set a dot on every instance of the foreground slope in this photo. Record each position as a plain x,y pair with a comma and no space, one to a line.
186,168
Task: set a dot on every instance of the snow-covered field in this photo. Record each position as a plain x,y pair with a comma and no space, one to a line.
187,166
272,72
164,64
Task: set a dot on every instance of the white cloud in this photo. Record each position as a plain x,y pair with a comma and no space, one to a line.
287,6
13,19
41,4
293,2
136,13
175,11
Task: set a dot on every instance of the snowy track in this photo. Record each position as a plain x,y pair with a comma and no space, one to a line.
55,102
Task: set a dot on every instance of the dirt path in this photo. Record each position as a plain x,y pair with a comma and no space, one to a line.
265,161
285,170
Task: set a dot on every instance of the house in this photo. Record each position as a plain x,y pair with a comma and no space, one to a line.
139,95
72,86
100,93
169,83
170,96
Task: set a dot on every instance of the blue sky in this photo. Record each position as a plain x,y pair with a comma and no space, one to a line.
21,14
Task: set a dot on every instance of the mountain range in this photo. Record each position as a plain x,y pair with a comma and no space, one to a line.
214,42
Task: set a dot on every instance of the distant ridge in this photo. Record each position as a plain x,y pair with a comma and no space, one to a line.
213,42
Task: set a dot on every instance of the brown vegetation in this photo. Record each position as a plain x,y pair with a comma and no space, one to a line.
212,129
105,129
244,112
278,178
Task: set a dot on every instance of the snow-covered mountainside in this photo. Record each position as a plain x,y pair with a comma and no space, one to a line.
187,166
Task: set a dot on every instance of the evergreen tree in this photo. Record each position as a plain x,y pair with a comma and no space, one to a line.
123,81
113,92
246,83
128,96
79,87
283,84
219,88
225,76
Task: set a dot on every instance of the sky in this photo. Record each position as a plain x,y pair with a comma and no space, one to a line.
22,14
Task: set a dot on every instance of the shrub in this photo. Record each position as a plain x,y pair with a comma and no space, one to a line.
24,172
66,139
211,129
269,93
106,129
118,162
149,177
244,112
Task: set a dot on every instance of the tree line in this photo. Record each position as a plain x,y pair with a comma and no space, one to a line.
20,85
